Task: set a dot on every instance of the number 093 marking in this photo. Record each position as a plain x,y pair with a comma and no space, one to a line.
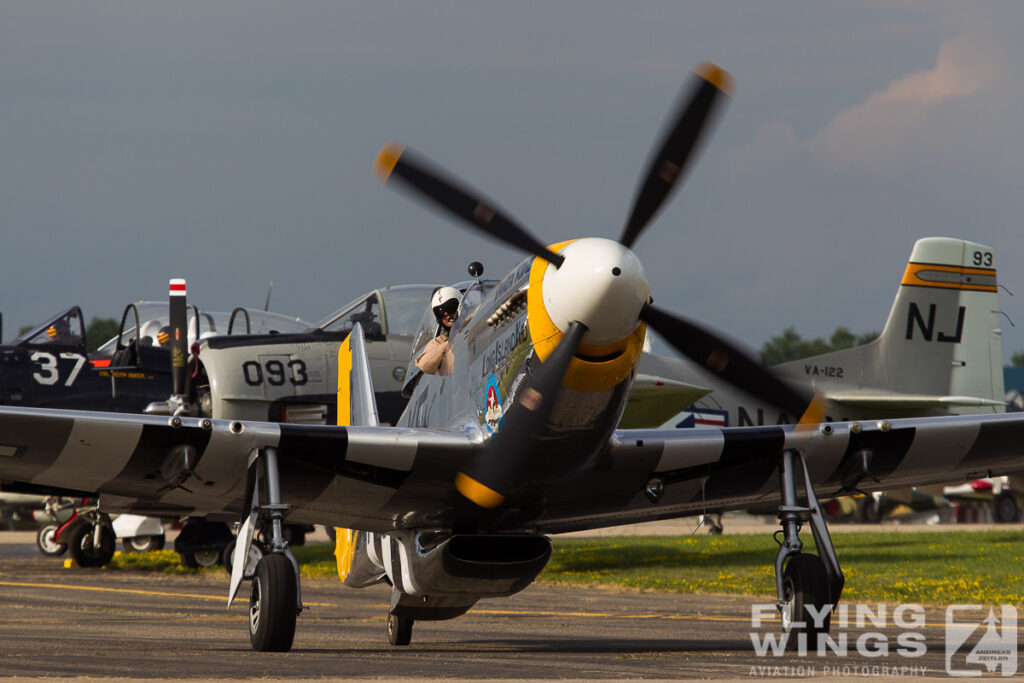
275,373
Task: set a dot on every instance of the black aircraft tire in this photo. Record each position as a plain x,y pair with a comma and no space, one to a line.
273,605
143,544
200,559
46,543
84,552
399,630
869,511
1004,508
805,582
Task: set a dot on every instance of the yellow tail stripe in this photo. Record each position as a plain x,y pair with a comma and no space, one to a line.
345,383
345,539
942,276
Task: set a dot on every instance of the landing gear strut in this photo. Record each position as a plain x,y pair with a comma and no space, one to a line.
275,598
808,586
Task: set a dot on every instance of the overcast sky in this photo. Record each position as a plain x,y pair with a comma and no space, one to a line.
231,143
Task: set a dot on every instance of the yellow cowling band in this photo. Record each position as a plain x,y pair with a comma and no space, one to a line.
583,375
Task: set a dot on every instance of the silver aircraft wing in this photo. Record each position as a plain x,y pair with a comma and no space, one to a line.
372,478
651,474
383,478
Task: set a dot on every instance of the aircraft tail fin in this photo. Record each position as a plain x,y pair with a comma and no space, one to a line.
941,346
357,406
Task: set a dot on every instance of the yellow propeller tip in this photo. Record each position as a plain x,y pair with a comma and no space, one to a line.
387,160
716,76
477,492
814,414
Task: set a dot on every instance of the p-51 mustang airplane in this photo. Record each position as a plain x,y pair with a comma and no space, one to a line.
452,506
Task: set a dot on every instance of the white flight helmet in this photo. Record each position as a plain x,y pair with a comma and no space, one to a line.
445,299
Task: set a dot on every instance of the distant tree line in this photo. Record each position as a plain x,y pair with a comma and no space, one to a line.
791,346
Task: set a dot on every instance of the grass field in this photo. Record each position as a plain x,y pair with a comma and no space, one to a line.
927,567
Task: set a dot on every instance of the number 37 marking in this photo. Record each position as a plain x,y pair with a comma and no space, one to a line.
48,372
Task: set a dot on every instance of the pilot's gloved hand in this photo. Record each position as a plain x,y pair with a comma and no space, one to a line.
435,357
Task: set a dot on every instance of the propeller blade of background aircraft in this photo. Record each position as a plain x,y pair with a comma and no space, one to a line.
733,365
395,160
668,166
487,480
179,335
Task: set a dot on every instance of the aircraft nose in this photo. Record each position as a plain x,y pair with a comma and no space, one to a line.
601,284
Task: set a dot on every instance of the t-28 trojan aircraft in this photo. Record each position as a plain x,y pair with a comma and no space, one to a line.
517,441
940,352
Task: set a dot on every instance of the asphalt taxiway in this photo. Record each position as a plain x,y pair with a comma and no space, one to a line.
102,623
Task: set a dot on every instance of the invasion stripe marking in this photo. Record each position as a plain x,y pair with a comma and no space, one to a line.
998,445
952,443
382,450
678,454
157,461
888,449
750,459
47,435
344,493
95,453
310,457
823,452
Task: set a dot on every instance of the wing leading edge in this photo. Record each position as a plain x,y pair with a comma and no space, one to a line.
373,478
661,474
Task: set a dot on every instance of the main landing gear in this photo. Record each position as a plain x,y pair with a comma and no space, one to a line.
399,630
275,597
808,586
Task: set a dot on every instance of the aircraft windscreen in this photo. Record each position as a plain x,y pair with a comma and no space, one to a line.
404,307
65,328
366,313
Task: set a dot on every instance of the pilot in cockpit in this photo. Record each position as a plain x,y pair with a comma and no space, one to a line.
435,358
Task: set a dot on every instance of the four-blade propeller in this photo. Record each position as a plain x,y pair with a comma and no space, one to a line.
490,478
